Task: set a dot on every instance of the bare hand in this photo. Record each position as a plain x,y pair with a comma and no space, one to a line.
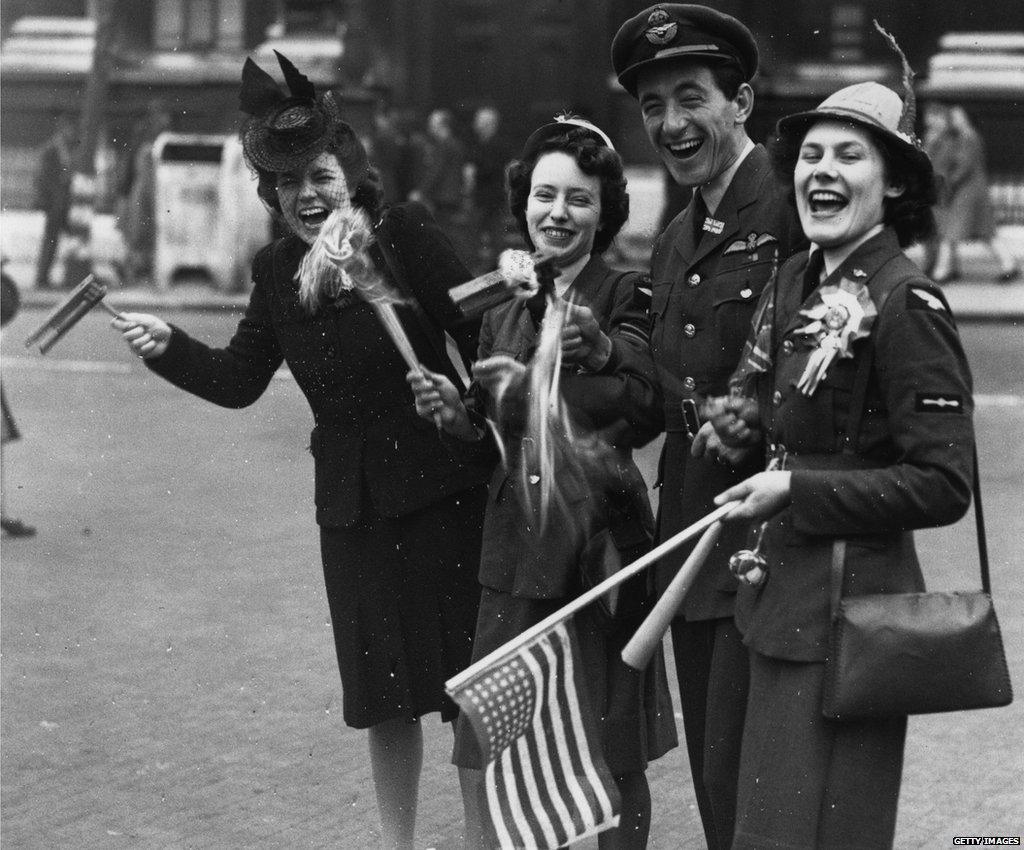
437,400
498,374
583,341
707,442
147,336
736,420
761,496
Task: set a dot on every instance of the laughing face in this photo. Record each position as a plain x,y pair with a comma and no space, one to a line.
563,211
308,195
840,184
696,129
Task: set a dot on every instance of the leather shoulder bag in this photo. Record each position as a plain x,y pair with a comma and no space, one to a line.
912,653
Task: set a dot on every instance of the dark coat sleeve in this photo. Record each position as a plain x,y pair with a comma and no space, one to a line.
623,398
234,376
430,267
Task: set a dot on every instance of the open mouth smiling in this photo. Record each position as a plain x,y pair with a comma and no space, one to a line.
313,216
685,149
826,202
557,234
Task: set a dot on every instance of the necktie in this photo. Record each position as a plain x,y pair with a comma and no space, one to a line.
700,212
812,274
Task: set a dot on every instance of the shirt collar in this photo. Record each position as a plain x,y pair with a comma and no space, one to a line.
714,190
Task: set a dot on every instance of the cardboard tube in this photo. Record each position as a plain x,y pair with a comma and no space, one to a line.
649,636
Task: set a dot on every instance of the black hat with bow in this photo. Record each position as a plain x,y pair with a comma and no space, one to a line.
287,129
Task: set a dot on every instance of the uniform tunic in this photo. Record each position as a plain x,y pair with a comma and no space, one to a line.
705,286
399,517
525,577
908,466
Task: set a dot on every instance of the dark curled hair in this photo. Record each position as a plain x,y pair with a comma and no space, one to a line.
910,214
595,160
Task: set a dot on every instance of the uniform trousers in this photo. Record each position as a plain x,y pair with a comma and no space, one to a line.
807,782
711,666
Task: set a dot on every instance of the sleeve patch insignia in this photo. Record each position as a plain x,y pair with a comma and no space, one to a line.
924,299
938,403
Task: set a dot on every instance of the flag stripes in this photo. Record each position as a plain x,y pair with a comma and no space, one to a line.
543,787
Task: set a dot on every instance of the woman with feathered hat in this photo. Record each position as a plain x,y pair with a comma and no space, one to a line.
863,394
399,519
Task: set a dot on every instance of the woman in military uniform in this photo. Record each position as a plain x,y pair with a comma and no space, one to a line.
568,195
865,398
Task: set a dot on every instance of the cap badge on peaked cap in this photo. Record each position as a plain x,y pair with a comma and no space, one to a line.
661,28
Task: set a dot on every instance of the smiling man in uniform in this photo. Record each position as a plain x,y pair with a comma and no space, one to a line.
690,67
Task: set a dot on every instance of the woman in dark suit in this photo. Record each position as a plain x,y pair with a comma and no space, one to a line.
567,193
399,519
862,386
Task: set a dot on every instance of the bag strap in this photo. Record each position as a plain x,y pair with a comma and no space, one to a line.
858,403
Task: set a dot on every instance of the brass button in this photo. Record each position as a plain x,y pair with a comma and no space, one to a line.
689,330
693,280
777,398
746,293
689,383
787,347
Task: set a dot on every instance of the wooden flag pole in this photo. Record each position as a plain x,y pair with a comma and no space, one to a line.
648,637
584,599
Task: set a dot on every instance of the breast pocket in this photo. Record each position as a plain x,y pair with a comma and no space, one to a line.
738,286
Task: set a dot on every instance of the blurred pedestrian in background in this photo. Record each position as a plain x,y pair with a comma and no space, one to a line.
52,189
439,181
860,470
568,195
489,153
10,301
390,152
399,519
965,210
689,67
136,189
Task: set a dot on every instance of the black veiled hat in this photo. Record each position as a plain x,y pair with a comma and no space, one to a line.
286,130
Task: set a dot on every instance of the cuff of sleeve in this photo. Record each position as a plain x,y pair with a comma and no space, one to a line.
175,348
806,487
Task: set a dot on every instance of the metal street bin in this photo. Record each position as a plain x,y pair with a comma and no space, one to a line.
209,220
186,202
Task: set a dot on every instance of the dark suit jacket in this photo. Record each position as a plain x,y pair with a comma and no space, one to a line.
615,403
368,440
909,465
703,297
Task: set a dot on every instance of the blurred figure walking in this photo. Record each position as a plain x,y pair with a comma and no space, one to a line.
438,180
136,189
52,184
965,209
489,153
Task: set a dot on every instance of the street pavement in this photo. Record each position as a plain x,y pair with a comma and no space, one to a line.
168,677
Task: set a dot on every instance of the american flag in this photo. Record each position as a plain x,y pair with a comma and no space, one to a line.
546,782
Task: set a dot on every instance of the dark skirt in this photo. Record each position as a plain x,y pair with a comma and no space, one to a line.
808,782
403,596
635,708
10,429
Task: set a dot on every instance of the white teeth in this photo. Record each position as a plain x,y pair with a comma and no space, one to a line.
827,197
682,147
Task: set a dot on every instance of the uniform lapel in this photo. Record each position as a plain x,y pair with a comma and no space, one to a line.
860,267
740,194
